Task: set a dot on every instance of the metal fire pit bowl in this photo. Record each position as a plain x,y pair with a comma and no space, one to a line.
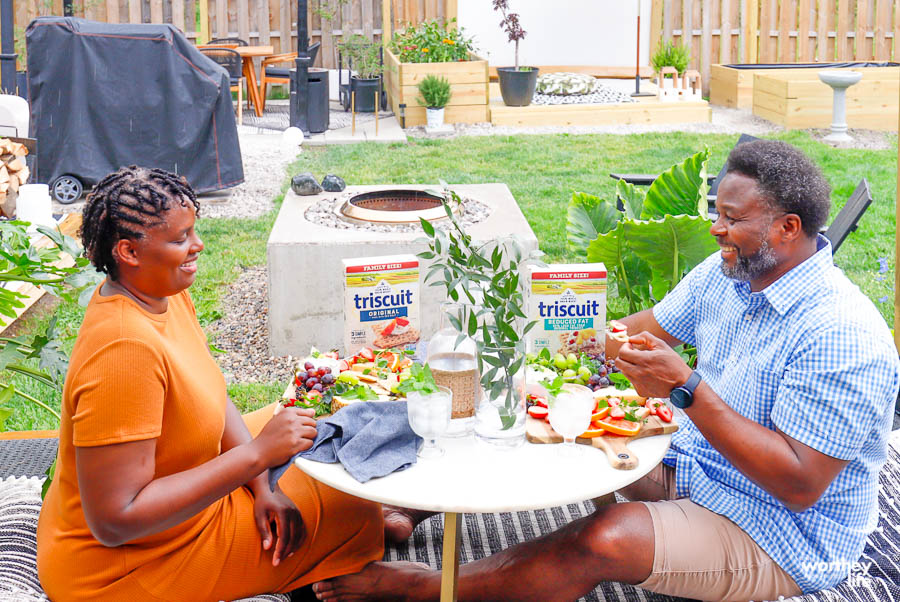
392,206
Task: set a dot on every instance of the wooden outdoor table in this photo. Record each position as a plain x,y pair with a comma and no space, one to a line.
476,477
248,53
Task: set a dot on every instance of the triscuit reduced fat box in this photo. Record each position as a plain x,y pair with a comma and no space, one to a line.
569,303
381,303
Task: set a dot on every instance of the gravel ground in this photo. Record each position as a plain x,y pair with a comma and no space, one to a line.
243,332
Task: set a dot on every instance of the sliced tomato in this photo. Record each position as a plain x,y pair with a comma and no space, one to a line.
665,413
389,329
538,400
538,412
367,354
402,321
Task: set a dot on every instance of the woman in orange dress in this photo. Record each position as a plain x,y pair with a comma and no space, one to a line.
161,487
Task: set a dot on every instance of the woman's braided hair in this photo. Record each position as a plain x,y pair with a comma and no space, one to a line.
123,205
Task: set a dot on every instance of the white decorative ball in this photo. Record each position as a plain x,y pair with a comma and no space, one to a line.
292,137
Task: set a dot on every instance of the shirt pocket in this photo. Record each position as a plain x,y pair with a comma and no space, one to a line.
752,390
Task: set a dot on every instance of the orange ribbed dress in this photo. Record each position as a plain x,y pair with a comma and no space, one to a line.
135,375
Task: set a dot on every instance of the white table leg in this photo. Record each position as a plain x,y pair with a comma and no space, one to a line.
450,566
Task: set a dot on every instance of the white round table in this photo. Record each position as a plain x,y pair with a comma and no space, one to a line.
476,477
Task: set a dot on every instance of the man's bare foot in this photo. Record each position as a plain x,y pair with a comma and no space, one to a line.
400,522
377,581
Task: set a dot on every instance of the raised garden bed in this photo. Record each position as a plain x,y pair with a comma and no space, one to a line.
798,99
732,85
468,85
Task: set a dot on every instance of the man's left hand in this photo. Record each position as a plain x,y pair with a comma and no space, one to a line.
651,365
269,506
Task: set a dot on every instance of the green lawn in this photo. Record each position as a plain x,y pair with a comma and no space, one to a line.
542,172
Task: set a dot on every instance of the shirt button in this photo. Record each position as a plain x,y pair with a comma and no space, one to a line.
748,317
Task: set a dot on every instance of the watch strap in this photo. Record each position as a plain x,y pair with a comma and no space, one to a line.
692,382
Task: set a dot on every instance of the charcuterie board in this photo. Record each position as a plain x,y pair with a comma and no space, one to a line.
615,446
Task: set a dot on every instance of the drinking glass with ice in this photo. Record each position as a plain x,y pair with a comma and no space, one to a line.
429,417
570,415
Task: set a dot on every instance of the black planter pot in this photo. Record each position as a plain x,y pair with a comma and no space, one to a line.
517,87
365,93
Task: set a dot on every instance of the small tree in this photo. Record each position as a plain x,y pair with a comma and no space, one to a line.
510,24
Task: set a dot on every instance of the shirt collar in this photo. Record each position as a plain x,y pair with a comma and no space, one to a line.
796,283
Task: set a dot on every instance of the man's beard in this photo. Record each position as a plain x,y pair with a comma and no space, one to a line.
746,268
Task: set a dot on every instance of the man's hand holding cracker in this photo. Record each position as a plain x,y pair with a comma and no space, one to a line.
651,365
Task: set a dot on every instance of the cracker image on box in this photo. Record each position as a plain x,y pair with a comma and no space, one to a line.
381,302
568,301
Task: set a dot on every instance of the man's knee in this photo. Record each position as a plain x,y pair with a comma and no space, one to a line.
612,533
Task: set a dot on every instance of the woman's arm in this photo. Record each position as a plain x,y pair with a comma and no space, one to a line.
122,501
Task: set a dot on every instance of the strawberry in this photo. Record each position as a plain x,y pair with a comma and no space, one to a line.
333,355
367,354
664,413
617,412
343,365
538,412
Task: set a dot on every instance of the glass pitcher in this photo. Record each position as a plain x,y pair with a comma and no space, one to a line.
452,358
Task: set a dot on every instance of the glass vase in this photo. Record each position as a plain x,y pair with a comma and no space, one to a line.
452,357
500,417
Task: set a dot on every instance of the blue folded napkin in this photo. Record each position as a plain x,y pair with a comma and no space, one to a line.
370,439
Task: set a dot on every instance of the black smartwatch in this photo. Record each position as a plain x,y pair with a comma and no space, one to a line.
683,396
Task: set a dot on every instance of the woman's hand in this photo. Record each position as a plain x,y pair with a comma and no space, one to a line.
289,432
269,507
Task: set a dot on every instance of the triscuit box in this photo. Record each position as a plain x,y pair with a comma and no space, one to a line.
381,303
568,301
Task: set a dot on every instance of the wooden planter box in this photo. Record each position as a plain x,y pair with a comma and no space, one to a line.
797,99
468,83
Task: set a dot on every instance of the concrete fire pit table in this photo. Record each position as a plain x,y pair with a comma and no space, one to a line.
305,274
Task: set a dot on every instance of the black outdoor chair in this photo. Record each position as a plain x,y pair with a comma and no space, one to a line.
713,181
237,41
845,221
281,75
233,64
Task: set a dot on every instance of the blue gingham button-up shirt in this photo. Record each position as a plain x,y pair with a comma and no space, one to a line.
811,356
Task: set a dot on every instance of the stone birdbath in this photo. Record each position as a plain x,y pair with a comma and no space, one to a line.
839,80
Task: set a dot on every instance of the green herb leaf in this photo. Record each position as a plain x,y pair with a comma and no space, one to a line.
620,381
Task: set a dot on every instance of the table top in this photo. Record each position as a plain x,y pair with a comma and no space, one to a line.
476,477
255,50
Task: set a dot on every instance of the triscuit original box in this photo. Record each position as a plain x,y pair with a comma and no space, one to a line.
381,302
569,303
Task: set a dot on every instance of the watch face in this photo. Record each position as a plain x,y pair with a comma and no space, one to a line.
680,398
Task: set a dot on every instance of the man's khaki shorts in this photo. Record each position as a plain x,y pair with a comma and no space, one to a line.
700,554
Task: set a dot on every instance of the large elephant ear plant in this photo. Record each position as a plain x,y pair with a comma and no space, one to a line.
649,245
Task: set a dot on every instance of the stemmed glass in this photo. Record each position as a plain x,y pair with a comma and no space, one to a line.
429,418
570,415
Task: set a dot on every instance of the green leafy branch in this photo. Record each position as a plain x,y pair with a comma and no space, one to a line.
486,276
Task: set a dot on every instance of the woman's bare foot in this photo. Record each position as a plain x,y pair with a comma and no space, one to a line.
400,522
392,581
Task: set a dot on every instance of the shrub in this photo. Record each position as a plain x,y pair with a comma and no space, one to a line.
431,42
669,54
363,54
435,92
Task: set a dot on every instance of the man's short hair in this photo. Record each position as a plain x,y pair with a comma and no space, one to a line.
787,180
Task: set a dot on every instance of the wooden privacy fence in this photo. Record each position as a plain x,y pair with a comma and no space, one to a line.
257,21
778,31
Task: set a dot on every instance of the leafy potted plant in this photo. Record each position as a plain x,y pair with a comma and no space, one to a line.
435,94
486,276
516,83
669,54
365,60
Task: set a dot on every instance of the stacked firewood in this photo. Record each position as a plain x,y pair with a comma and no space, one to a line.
13,173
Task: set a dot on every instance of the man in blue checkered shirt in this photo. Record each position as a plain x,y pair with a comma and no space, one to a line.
769,488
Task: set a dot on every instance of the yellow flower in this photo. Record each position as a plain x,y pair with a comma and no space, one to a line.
425,49
449,41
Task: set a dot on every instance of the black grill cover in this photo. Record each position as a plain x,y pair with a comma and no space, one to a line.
107,95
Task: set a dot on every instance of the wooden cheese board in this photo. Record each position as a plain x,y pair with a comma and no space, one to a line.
615,446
